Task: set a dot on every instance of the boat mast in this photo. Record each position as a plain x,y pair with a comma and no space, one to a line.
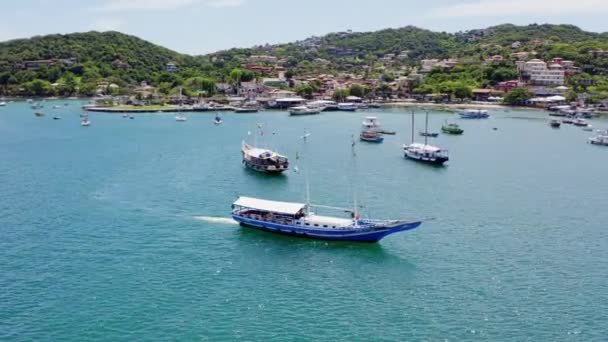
355,204
426,129
412,126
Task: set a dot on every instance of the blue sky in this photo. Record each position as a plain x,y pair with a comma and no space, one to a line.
201,26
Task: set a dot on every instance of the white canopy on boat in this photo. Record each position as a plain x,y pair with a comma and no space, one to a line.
424,148
271,206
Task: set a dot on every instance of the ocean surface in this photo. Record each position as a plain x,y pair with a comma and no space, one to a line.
120,231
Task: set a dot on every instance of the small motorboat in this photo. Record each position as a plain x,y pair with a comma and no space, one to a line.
131,117
452,129
217,120
429,134
56,106
588,128
567,121
2,104
39,114
125,116
555,123
85,122
601,139
56,117
180,118
580,122
371,136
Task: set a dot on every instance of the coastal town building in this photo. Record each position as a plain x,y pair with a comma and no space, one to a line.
262,59
520,56
37,64
536,72
430,64
171,67
495,58
599,53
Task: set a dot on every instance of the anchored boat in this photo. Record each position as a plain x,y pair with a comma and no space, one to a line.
474,114
452,128
263,160
303,110
424,152
371,136
298,219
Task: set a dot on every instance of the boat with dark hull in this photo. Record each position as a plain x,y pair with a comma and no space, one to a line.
424,152
298,219
263,160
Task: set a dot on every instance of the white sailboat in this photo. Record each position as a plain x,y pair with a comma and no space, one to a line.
424,152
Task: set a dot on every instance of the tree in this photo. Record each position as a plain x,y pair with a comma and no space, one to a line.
357,90
461,91
305,90
340,94
518,96
38,87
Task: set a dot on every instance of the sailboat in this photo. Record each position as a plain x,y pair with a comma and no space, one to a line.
424,152
301,220
180,117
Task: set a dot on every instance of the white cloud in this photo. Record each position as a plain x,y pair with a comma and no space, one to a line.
520,7
141,5
108,24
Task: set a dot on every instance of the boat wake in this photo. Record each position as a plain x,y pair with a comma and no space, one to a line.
211,219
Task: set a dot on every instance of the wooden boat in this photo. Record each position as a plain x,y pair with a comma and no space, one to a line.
300,220
371,136
263,160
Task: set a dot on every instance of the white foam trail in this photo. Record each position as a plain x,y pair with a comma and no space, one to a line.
211,219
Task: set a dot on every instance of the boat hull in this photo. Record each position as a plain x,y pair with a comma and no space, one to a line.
427,160
354,235
263,169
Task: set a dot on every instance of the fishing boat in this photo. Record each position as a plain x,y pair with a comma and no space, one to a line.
324,105
474,114
424,152
555,123
300,220
347,107
371,123
181,118
263,160
601,139
371,136
85,122
217,120
303,110
452,128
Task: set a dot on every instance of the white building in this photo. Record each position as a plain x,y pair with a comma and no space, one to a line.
537,72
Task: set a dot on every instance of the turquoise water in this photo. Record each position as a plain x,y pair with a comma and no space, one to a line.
118,231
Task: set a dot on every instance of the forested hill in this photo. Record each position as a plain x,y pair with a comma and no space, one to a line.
79,61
